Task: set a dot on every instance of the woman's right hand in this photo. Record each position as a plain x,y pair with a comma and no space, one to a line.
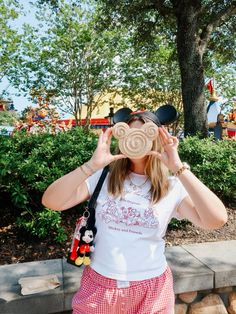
102,155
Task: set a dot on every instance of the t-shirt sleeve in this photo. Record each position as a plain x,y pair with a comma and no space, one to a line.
92,181
181,193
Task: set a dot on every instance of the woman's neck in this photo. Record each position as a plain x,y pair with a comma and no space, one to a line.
138,166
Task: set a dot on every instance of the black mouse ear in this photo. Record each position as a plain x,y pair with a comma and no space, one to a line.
166,114
121,115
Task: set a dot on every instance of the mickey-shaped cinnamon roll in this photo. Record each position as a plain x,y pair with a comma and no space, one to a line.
135,143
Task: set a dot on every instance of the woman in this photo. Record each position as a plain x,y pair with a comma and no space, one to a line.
128,272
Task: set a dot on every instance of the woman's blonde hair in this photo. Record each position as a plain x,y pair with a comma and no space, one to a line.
154,169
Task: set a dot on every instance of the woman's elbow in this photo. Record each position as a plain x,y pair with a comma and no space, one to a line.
224,216
218,223
48,204
223,220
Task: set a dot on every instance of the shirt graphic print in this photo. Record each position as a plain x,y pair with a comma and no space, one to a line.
129,214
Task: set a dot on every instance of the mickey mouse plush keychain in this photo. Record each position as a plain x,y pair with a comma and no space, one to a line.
82,243
85,246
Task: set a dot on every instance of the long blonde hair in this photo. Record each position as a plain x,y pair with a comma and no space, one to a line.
154,169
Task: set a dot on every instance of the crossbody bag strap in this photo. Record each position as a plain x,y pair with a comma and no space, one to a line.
93,199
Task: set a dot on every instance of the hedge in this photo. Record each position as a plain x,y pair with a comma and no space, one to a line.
28,164
213,162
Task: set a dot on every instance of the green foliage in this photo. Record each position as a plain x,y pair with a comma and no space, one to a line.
213,162
70,53
29,164
79,61
190,31
9,11
8,117
177,224
148,21
70,57
43,223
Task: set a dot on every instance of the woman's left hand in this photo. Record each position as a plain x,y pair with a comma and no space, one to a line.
169,156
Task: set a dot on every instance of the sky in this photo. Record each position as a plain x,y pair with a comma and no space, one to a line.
20,102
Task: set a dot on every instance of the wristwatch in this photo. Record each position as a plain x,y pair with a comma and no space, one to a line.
185,166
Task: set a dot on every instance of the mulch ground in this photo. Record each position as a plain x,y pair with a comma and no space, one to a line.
17,246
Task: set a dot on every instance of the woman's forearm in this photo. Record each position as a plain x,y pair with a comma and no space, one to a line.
65,189
209,207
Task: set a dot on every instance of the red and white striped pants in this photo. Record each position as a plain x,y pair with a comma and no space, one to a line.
100,295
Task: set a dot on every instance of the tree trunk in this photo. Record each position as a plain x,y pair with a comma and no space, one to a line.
191,68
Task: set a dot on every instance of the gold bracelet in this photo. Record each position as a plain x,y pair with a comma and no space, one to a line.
181,169
89,168
82,169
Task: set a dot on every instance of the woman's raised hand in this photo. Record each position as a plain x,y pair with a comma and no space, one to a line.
169,156
102,155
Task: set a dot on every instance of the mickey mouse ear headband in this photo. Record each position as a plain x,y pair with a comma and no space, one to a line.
166,114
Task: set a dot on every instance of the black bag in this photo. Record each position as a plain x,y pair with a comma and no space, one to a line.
85,230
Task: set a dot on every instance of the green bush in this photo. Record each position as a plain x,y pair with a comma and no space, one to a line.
43,223
177,224
28,164
213,162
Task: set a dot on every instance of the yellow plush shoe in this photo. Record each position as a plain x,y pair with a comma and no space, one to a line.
79,261
86,261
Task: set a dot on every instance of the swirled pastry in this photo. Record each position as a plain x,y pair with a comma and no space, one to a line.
135,143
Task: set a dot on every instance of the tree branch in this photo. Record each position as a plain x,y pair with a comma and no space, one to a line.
215,21
162,8
158,5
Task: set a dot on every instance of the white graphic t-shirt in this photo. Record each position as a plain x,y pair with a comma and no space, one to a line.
129,242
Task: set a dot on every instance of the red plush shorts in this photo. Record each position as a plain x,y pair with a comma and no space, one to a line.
100,295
